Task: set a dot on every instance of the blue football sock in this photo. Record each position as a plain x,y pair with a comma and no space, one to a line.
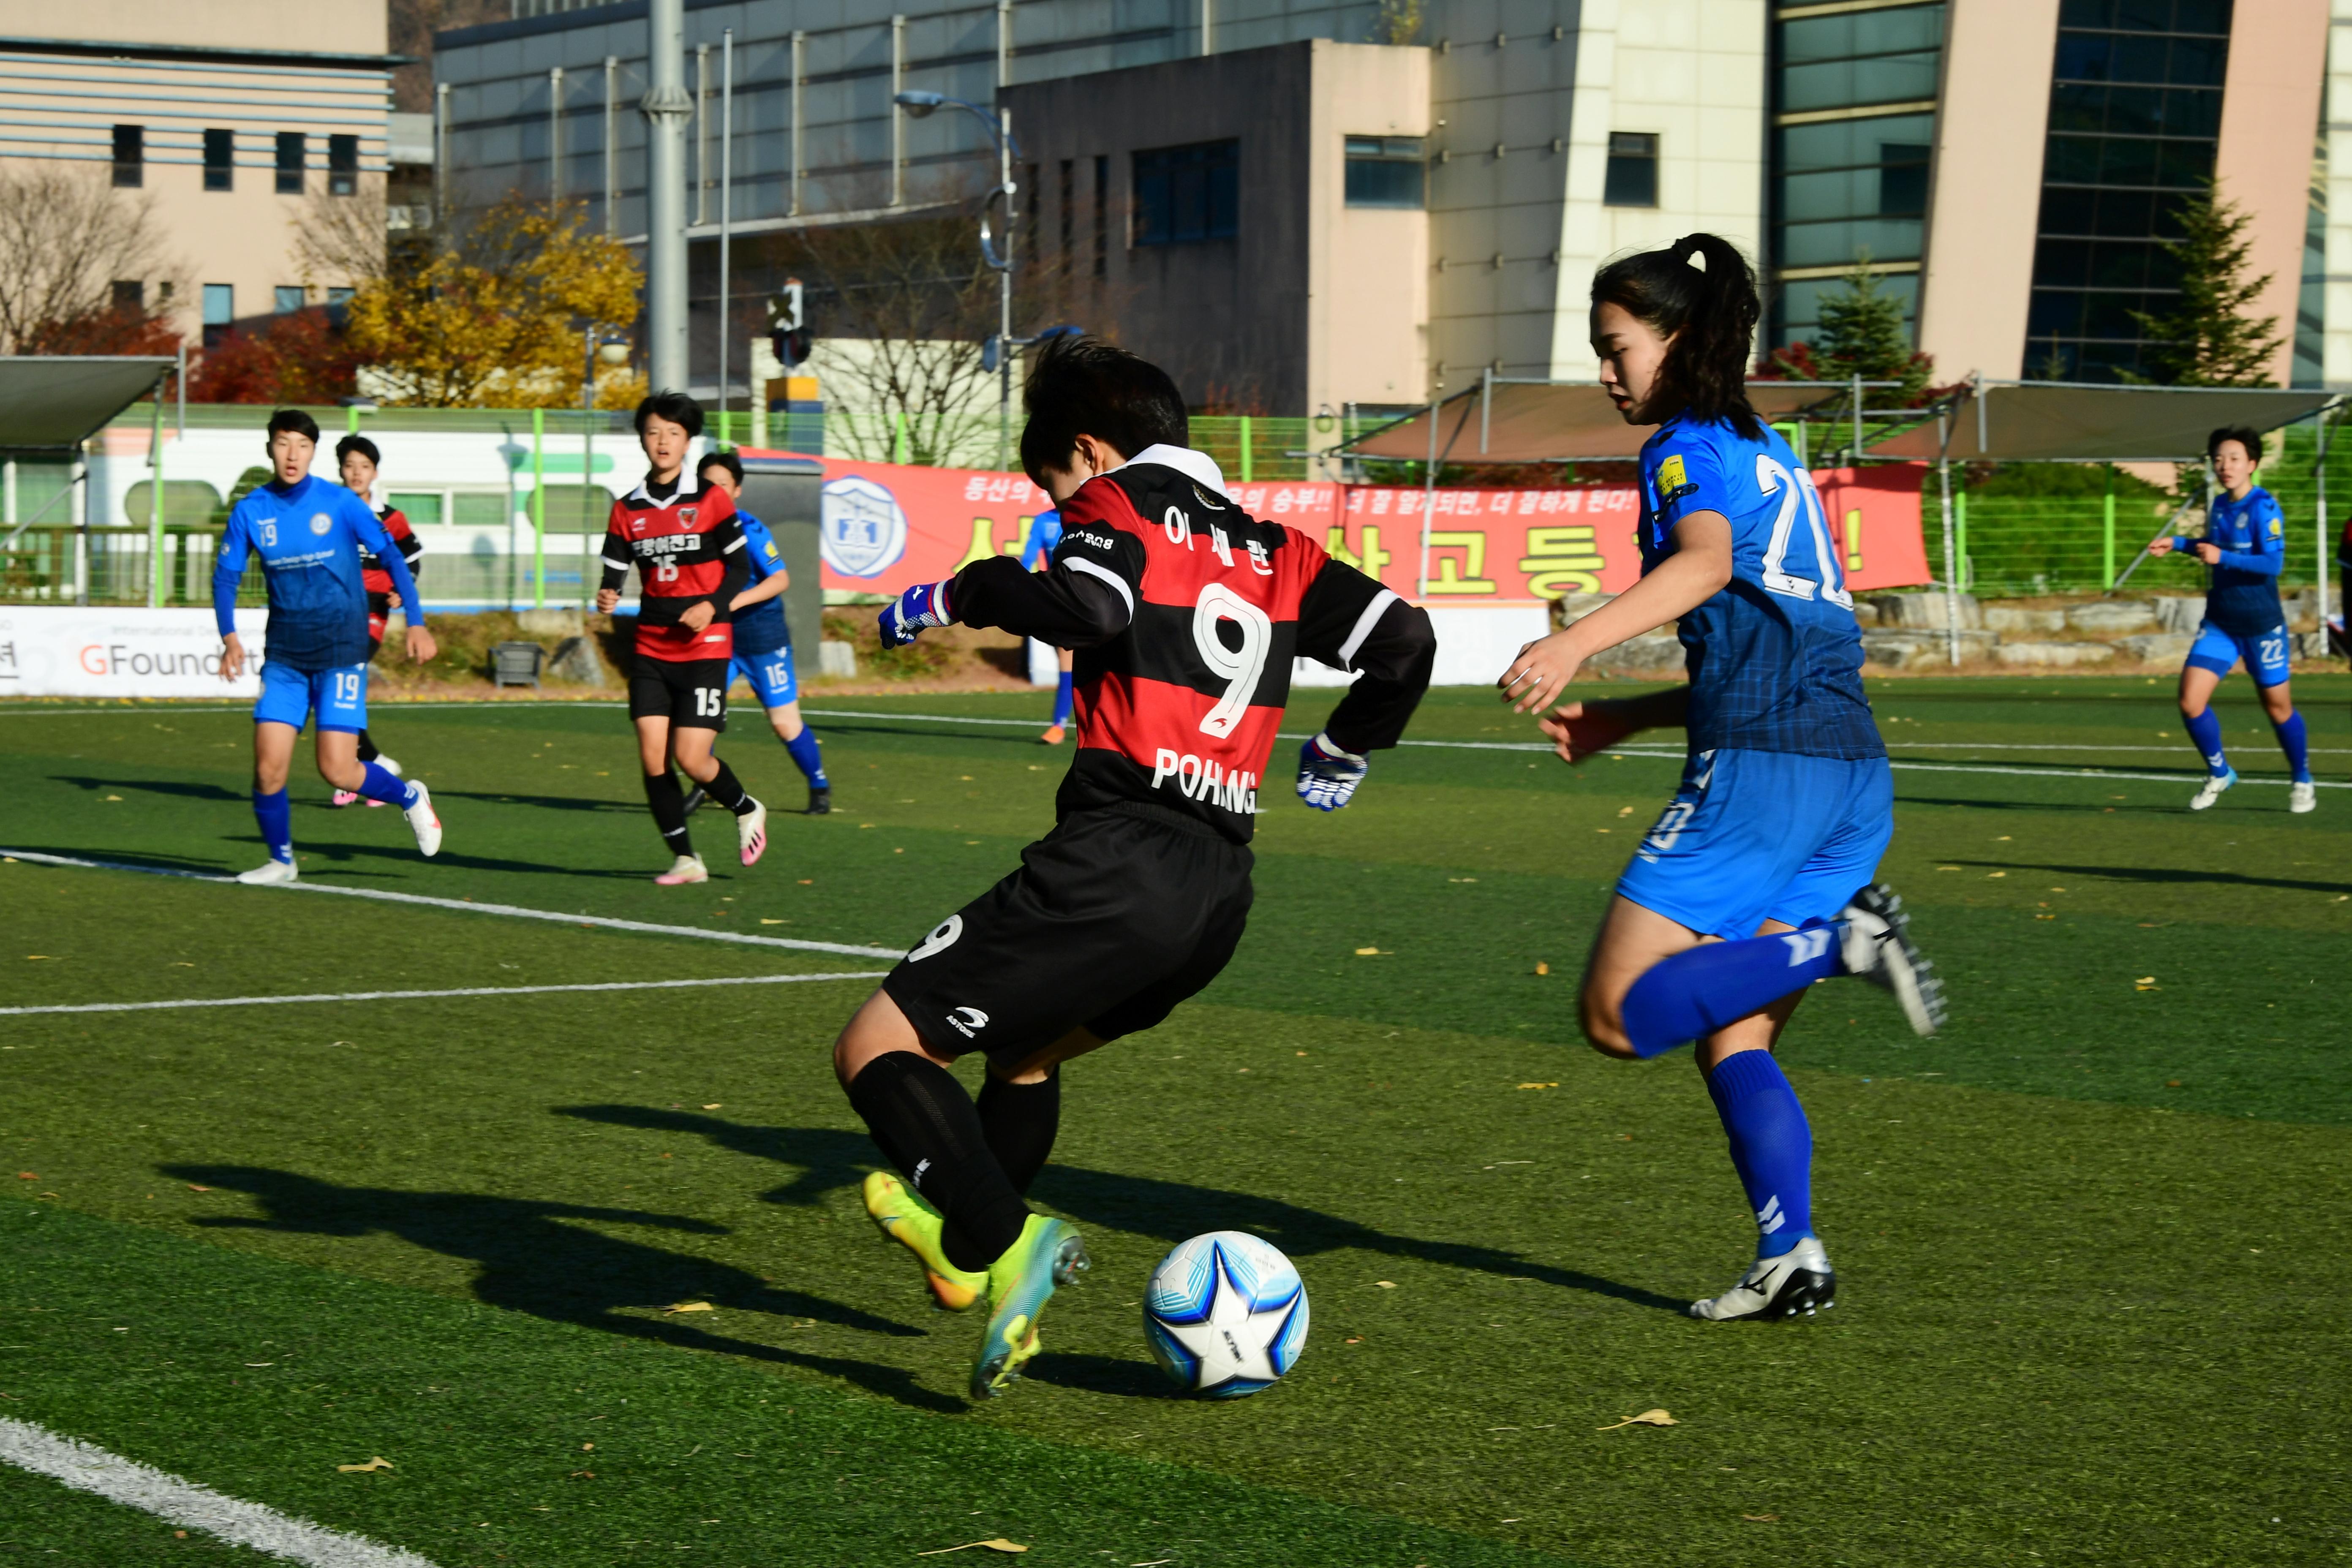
2297,748
2205,734
1697,991
1771,1146
808,759
275,813
1062,699
387,787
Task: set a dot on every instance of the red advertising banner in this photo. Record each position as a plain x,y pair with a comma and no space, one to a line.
887,527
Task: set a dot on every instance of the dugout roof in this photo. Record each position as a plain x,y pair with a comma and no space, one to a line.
1501,421
2073,422
53,403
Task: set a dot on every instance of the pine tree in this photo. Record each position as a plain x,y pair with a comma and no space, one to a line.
1862,333
2209,339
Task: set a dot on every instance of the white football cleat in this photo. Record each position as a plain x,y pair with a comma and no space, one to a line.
1878,948
427,825
2302,795
1798,1282
388,766
269,871
2211,791
751,832
686,869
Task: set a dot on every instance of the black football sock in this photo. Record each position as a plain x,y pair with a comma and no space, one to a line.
1020,1120
728,790
668,802
924,1124
368,752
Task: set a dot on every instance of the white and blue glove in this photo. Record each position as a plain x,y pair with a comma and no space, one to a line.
1327,776
915,610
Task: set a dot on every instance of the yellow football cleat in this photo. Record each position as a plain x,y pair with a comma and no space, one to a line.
907,1219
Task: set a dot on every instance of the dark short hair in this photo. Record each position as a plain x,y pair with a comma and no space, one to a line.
294,419
2243,435
721,458
675,407
1701,292
1080,386
359,443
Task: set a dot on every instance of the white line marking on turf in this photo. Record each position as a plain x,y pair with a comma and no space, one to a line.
1677,754
87,1469
462,991
512,911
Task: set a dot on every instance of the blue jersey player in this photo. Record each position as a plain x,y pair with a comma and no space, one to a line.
2245,545
309,535
763,645
1038,554
1757,880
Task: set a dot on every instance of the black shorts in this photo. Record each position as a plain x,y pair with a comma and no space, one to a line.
691,693
1113,919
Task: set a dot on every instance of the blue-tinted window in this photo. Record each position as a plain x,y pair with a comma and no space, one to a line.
1631,177
289,162
1186,194
130,156
286,297
342,165
1386,172
2135,117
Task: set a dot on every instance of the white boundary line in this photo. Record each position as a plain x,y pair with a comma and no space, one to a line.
512,911
1677,754
87,1469
463,991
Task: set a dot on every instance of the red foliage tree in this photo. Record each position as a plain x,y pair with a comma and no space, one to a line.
298,357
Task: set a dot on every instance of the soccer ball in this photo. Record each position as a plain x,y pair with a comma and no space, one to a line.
1226,1313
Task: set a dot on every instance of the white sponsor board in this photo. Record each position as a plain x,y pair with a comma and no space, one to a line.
119,651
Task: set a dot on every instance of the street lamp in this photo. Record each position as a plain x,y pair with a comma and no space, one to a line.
998,257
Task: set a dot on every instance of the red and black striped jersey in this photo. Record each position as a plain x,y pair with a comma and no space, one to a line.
687,550
373,578
1186,614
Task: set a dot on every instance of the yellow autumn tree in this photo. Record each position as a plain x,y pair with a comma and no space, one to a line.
498,316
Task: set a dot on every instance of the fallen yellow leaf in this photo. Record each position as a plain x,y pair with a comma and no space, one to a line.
1543,969
378,1463
715,1105
1385,1284
691,1307
1990,875
1554,1085
2145,980
1366,952
993,1544
766,922
1762,1518
1647,1418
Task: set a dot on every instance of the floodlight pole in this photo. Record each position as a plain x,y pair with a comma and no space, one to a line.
2319,477
998,255
667,109
726,200
1944,481
155,507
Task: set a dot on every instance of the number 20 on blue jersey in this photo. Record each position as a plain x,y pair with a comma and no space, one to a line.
1797,494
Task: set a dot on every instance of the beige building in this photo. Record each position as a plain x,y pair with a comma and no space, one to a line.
229,117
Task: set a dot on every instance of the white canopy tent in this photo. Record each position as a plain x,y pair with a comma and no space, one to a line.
50,404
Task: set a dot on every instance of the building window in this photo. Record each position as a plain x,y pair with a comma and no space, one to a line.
220,310
1186,194
342,165
1102,216
129,296
1632,180
286,298
130,156
289,162
1386,172
2135,123
220,160
1902,179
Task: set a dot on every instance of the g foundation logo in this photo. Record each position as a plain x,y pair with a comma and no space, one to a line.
122,659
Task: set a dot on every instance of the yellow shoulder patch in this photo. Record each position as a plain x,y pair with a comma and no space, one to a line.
2277,527
1670,474
772,550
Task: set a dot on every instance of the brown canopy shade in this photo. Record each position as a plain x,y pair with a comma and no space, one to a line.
54,403
2056,421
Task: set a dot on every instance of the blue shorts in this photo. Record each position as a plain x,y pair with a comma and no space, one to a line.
2265,656
1759,836
771,675
288,696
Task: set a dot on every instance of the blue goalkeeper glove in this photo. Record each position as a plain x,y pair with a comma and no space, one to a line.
919,607
1327,776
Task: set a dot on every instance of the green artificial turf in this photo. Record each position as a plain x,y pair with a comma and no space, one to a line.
2086,1238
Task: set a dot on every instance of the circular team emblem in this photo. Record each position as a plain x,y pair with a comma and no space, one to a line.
321,523
862,527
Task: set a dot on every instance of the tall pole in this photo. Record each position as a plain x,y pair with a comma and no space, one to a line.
2319,479
156,505
799,70
726,201
588,550
702,133
612,153
555,134
1004,297
897,111
440,153
538,509
665,108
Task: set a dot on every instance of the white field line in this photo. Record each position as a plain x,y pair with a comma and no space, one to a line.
512,911
1676,753
462,991
87,1468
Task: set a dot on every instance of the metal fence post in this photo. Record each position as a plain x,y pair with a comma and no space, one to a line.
2108,533
538,509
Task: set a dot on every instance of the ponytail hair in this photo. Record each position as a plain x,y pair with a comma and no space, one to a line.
1700,293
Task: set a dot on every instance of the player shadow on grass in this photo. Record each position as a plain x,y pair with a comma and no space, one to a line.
342,854
831,1159
2169,874
530,1262
548,802
182,788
